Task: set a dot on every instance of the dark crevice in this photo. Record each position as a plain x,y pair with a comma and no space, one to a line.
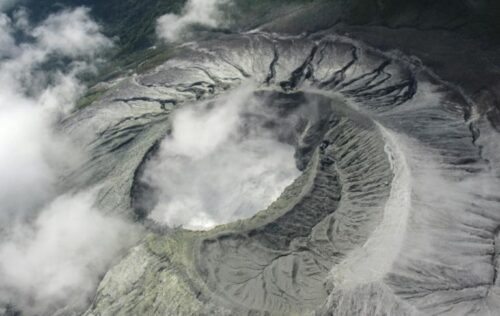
496,254
375,72
272,67
374,75
304,72
339,76
163,102
143,197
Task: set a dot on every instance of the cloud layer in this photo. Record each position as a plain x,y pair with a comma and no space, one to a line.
53,245
31,99
57,261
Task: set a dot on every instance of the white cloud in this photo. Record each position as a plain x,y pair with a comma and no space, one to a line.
52,248
71,33
58,260
218,166
31,155
7,43
204,12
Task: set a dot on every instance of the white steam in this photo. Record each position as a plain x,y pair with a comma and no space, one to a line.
217,167
52,248
203,12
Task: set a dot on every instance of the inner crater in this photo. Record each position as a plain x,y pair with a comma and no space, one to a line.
227,159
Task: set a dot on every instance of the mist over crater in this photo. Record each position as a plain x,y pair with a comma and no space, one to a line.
224,160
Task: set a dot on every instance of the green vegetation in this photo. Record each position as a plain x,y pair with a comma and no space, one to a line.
131,23
91,96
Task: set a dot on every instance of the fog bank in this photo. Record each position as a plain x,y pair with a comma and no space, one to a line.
54,245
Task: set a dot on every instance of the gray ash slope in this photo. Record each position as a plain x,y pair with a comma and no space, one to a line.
396,211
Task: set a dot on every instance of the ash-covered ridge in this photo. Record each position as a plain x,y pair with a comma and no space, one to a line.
395,213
